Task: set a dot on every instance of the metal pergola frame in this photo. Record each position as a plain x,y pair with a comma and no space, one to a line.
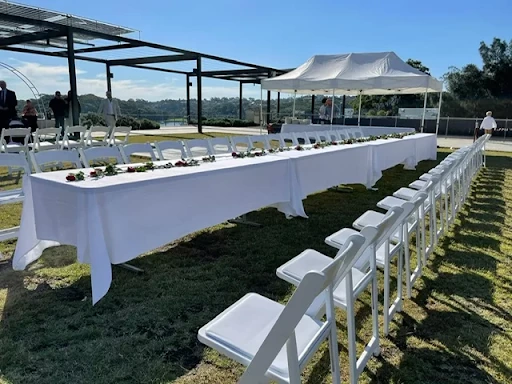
53,34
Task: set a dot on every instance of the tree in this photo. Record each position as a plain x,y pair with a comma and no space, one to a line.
497,68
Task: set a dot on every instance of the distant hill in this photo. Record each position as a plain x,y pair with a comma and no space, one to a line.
214,107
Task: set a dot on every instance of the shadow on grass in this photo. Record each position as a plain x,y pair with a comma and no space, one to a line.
453,334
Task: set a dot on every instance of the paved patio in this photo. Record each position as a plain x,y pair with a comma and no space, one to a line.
495,144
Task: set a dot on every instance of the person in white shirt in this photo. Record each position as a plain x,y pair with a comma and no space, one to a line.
488,123
110,110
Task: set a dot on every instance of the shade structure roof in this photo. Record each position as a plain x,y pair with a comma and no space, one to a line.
379,73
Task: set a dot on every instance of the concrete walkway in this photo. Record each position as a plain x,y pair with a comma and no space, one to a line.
495,144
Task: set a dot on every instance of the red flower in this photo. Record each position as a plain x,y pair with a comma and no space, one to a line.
180,163
234,154
298,148
93,174
334,143
71,177
131,169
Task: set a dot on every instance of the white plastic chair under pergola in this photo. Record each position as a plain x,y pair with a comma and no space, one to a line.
170,150
119,135
241,143
41,160
14,147
304,138
220,146
348,287
19,161
275,341
45,139
259,141
97,136
197,148
68,143
142,149
98,156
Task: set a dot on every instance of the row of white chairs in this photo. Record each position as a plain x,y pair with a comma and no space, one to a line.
73,137
275,341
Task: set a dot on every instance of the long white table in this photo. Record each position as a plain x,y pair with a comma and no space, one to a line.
112,220
368,131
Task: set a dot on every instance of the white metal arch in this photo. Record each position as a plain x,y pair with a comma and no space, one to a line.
40,105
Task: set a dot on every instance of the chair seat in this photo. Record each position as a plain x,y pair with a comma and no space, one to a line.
339,238
240,330
391,201
13,196
426,176
309,260
368,218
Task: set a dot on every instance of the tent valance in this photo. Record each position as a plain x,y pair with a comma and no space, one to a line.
380,73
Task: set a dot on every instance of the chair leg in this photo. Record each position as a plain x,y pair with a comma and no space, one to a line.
386,296
375,315
407,263
351,331
334,354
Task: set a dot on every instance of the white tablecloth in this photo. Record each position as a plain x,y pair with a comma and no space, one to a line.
114,219
370,131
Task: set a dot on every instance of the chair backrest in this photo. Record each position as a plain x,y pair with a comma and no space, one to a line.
274,140
351,133
121,131
130,149
66,142
170,150
283,330
259,141
220,145
241,143
304,136
343,134
53,156
322,136
358,132
197,148
15,132
101,136
15,160
333,135
90,156
43,135
285,137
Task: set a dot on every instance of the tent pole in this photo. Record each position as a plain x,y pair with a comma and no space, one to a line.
439,111
424,112
333,105
294,97
261,107
359,116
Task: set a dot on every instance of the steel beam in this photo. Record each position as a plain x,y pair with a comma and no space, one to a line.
31,37
199,96
241,101
157,69
109,79
72,77
188,99
105,48
153,59
51,54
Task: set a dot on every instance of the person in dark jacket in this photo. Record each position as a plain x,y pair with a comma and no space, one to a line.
58,107
8,103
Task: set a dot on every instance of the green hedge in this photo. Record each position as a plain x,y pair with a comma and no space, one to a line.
226,122
90,119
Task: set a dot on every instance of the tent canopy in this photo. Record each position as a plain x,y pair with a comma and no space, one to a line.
380,73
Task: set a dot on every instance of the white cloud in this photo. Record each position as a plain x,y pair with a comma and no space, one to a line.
50,78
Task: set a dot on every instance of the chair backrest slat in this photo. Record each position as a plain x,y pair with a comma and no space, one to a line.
130,149
197,148
91,155
54,156
170,150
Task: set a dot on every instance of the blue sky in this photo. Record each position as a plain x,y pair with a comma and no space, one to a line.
280,34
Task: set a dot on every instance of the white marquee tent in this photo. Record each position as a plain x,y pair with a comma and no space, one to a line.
380,73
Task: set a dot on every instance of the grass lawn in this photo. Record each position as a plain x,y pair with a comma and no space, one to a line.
456,329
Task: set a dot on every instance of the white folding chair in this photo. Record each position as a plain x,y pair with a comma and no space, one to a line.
170,150
259,141
343,134
286,138
41,160
274,140
136,149
18,161
303,137
98,156
274,341
220,146
197,148
69,143
97,136
45,139
347,288
322,136
241,143
122,132
351,133
11,146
